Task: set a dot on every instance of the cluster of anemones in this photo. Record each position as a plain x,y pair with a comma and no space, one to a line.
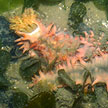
46,43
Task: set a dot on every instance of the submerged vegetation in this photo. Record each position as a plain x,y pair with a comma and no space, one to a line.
7,5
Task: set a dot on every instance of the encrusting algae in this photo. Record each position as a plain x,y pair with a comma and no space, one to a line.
48,44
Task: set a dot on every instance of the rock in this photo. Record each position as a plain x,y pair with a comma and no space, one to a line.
18,100
4,60
101,95
64,98
6,35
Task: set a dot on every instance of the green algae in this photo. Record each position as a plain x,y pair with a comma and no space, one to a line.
64,98
6,5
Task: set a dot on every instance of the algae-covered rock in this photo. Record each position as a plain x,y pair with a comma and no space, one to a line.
42,100
88,105
6,35
4,83
5,98
86,100
18,100
4,60
64,98
101,95
76,15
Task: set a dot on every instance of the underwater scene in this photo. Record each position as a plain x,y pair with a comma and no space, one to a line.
53,53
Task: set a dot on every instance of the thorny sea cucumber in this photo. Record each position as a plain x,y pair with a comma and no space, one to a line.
45,42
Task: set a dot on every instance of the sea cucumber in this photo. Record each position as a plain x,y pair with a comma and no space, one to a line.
70,52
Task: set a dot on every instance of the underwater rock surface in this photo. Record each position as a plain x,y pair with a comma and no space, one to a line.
18,100
64,98
4,98
4,60
6,35
101,96
7,38
4,83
